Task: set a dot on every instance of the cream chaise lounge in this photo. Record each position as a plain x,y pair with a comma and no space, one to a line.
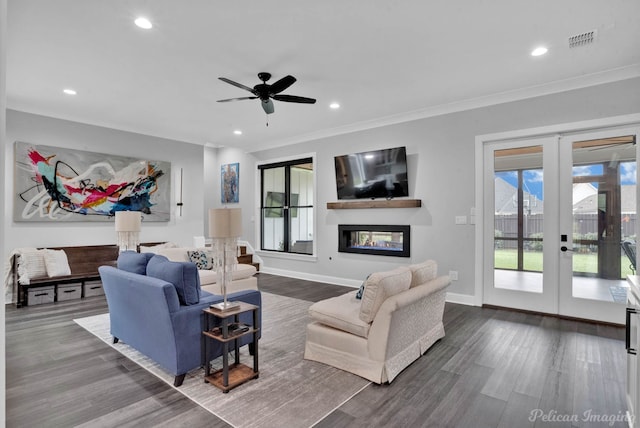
398,318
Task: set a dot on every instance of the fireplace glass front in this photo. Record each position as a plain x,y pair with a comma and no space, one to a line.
383,240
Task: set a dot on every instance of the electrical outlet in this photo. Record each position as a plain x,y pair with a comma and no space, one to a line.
461,219
453,274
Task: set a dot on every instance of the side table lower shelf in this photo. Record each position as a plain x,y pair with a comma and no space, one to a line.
238,374
231,375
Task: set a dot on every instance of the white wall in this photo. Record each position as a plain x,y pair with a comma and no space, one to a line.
441,173
214,158
440,152
61,133
3,106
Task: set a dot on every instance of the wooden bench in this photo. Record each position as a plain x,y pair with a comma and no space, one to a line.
83,261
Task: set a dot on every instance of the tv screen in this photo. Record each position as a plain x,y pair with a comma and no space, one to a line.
374,174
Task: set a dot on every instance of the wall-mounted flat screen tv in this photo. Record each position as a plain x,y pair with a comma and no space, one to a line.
373,174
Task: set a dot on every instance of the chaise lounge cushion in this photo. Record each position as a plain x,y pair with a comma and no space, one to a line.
241,271
381,285
134,262
424,272
341,312
183,276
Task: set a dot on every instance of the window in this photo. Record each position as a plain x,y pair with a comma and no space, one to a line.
286,206
519,208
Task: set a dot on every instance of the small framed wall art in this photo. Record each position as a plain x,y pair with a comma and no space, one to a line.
229,183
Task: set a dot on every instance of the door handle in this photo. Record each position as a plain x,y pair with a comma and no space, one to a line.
565,249
627,338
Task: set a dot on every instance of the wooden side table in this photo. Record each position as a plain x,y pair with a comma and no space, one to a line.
235,374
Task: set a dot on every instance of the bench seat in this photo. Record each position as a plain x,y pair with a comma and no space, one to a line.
83,262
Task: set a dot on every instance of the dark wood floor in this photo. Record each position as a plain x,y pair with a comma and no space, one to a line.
493,368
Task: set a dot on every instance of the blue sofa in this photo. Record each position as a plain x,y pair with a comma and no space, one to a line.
155,306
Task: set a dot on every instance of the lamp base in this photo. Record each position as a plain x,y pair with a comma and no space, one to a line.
225,306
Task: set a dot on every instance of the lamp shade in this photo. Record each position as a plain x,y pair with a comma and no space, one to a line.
225,222
128,221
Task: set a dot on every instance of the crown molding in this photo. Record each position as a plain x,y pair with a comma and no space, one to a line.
608,76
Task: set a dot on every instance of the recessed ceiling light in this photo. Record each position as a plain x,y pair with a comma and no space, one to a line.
541,50
69,91
143,22
237,132
334,106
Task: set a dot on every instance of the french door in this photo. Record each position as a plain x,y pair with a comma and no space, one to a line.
559,223
521,202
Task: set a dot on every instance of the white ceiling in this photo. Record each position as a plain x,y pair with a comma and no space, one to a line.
383,61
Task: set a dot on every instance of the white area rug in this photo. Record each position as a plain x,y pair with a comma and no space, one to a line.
290,391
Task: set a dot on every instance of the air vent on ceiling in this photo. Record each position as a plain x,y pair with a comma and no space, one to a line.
582,39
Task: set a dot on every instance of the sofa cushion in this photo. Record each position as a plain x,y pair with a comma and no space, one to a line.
155,248
134,262
207,276
423,272
175,254
201,258
241,271
341,312
183,276
381,285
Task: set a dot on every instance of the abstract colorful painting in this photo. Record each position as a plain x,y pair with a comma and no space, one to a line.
54,184
229,182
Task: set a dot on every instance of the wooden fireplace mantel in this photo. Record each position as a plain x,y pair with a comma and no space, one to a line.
375,203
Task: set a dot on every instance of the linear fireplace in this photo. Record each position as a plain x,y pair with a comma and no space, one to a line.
380,240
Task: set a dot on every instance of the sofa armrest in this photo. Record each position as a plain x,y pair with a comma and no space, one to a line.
406,316
436,284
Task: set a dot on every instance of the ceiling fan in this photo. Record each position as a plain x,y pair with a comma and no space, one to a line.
266,93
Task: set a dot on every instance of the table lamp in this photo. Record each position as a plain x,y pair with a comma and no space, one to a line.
128,229
225,226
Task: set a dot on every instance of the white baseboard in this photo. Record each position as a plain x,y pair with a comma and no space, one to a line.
463,299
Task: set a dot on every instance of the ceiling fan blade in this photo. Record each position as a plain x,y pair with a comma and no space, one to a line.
282,84
237,99
239,85
268,107
294,99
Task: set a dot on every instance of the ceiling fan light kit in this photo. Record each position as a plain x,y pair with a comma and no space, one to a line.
267,93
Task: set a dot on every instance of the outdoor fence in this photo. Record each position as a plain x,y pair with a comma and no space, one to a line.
585,227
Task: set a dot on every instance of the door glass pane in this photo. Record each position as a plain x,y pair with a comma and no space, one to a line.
273,209
301,209
518,219
604,216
